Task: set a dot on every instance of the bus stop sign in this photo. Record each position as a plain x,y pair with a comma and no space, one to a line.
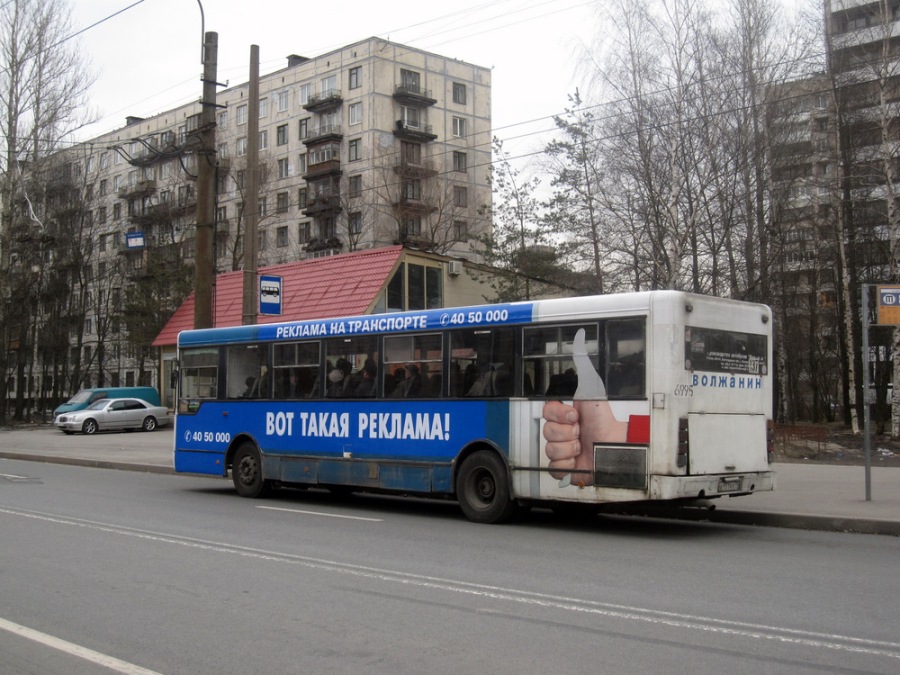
889,305
270,294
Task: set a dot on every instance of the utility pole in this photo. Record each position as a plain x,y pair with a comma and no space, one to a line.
249,304
204,259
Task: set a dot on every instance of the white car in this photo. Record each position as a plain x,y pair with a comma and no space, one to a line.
113,413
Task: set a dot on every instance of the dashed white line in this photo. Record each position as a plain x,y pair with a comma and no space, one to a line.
321,513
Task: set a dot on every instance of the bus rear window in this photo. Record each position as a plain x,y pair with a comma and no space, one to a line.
725,351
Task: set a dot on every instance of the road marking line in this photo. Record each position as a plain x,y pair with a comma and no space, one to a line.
806,638
321,513
104,660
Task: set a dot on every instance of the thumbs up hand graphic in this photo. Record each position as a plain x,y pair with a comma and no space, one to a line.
571,431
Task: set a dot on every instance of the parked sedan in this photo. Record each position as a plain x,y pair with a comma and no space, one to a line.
113,413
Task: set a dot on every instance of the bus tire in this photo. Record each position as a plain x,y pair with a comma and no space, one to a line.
246,472
482,489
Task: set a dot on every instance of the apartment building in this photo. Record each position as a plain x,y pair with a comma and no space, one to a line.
371,145
836,164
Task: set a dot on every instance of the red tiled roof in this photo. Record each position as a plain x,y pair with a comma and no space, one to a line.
340,285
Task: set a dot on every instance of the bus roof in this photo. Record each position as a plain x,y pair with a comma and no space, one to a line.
477,316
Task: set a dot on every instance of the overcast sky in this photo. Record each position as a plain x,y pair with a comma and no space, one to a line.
148,55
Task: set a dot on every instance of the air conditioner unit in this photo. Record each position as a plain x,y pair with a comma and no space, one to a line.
454,268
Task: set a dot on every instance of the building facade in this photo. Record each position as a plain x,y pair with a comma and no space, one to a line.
371,145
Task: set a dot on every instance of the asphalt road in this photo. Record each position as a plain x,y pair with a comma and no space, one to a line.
176,574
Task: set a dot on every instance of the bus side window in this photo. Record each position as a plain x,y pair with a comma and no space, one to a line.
626,358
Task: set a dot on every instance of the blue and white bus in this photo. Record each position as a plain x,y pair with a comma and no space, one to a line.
634,397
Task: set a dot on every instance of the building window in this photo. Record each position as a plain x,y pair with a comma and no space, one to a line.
411,153
304,128
460,196
353,150
104,186
262,208
459,161
328,85
411,117
355,223
410,80
412,189
459,93
281,202
221,214
117,211
262,239
327,229
281,134
101,215
263,140
283,168
263,107
354,185
301,163
301,198
222,119
355,77
412,226
303,93
303,232
221,153
281,236
242,146
459,127
356,113
284,100
242,114
460,230
239,179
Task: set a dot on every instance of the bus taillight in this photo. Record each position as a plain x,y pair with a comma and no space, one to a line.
770,441
683,443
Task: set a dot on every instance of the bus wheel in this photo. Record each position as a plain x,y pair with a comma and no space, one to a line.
482,489
246,472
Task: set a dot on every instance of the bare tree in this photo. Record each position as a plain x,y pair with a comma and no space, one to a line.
43,82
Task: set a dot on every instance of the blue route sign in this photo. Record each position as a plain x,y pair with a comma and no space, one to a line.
270,294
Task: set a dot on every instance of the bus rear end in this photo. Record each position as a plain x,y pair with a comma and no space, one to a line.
711,397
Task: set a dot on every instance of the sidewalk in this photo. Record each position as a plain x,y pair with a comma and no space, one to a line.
807,496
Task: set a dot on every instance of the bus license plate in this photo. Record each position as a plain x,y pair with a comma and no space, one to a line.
729,484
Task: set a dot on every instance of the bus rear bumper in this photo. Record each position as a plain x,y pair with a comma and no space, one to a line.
711,485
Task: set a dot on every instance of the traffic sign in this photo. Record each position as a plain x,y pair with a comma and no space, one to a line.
270,293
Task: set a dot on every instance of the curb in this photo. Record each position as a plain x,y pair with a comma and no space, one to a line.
91,463
754,518
795,521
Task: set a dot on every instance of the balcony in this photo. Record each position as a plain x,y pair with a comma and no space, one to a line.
326,168
318,205
142,188
413,94
414,132
324,101
408,206
325,132
422,169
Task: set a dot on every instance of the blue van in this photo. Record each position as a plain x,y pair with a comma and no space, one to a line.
85,397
